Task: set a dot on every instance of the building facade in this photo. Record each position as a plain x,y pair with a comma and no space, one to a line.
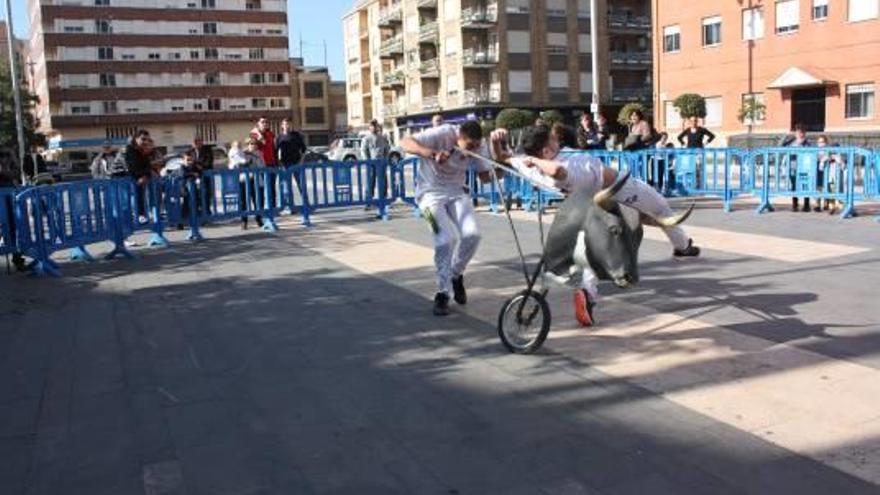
409,59
319,103
205,68
802,61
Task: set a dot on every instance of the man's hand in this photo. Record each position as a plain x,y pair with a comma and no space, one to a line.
439,156
499,136
529,162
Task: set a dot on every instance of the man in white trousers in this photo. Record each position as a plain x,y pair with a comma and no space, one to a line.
445,203
543,164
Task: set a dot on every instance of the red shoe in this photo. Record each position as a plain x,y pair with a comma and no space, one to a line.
583,308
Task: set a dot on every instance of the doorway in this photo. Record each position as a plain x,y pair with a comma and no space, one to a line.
808,108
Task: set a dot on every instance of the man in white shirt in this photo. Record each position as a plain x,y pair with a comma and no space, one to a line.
545,165
445,204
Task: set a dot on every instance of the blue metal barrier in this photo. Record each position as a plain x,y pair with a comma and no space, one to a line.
8,243
347,184
238,193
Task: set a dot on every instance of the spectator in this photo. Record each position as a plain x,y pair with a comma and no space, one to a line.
640,134
8,181
100,167
34,164
436,120
375,146
662,177
251,157
589,135
695,135
799,140
136,160
290,145
203,156
566,136
265,140
539,122
191,171
829,165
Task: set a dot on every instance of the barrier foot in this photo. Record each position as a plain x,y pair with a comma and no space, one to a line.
158,240
269,225
764,208
195,236
79,253
849,211
417,213
119,250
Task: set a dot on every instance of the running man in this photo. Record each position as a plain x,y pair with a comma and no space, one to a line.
445,204
545,165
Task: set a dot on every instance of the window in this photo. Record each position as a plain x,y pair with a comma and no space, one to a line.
787,16
452,84
103,26
254,31
73,29
107,80
750,100
557,79
753,24
860,101
174,56
80,110
277,103
584,43
258,103
861,10
520,81
671,39
176,108
212,79
109,107
102,3
194,54
586,80
713,111
518,6
555,8
820,10
557,40
315,115
253,5
258,78
519,42
154,56
255,54
313,89
277,77
671,116
211,54
209,28
105,53
712,31
209,4
214,104
198,106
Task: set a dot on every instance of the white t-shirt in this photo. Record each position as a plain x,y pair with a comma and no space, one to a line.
584,172
448,178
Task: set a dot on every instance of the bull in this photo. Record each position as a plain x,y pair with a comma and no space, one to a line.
599,233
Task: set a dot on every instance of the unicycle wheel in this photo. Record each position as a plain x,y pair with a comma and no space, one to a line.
524,322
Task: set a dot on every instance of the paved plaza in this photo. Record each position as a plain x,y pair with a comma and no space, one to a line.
308,362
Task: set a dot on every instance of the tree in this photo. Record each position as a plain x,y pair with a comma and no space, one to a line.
627,110
551,117
751,111
690,105
8,129
488,125
514,118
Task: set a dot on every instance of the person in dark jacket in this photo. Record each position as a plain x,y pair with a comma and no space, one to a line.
695,135
136,160
798,140
590,136
203,156
290,147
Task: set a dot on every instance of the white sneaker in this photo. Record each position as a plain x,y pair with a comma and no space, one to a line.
131,243
142,219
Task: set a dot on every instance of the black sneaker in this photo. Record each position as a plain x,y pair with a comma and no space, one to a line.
458,292
689,251
441,304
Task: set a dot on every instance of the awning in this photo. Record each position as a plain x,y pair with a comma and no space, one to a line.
796,77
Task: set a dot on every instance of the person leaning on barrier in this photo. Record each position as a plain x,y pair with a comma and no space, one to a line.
798,140
250,157
290,147
203,155
829,165
641,135
137,161
102,163
190,171
590,135
374,146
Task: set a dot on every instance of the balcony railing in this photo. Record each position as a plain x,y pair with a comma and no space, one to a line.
476,96
390,15
627,21
475,57
427,4
630,94
394,79
392,110
430,68
631,58
430,103
391,46
428,33
480,17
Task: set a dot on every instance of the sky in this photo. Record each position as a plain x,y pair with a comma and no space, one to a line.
316,21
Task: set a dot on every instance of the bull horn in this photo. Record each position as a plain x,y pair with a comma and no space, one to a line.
604,197
675,219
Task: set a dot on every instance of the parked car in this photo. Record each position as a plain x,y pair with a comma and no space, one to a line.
348,148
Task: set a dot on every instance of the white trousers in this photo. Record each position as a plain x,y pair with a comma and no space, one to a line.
456,235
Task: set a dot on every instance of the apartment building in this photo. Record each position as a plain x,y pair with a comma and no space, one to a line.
181,69
20,48
804,61
409,59
319,103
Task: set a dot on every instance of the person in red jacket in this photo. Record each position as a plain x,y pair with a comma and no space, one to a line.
265,139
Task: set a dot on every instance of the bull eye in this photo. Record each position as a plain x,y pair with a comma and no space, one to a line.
615,230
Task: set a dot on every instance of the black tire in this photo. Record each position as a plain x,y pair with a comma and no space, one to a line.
510,327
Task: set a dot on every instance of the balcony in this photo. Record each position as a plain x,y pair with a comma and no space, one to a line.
628,22
430,103
430,69
391,47
390,110
393,79
477,58
632,60
483,95
428,33
427,4
480,18
391,15
626,95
